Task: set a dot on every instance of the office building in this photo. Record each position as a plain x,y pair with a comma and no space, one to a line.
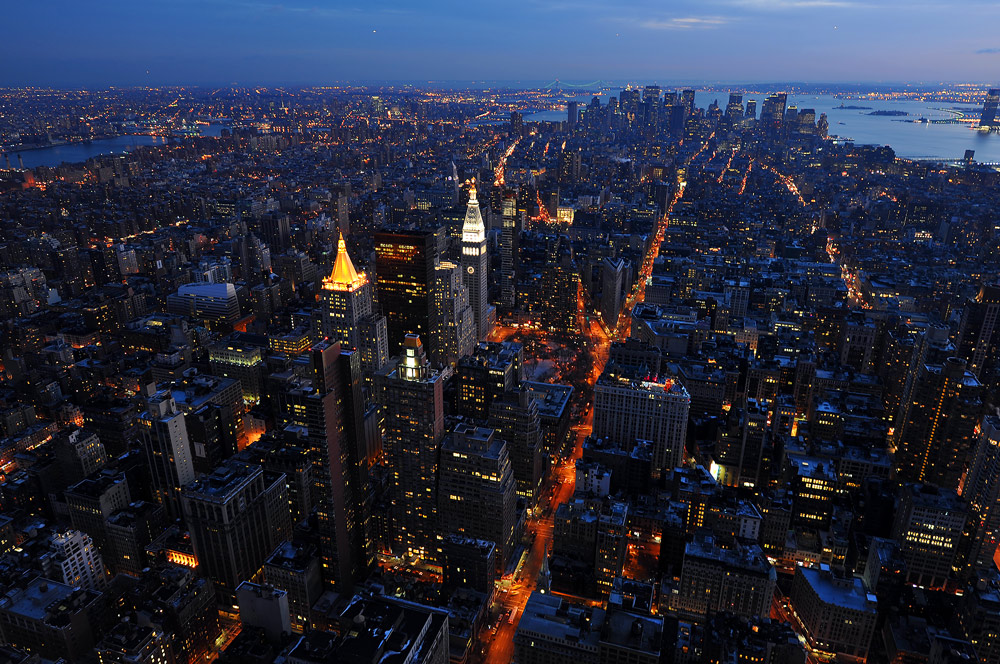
51,619
612,285
989,118
469,563
734,109
129,531
813,487
687,101
939,428
477,495
553,631
572,113
411,397
242,362
130,642
328,405
981,491
772,111
265,607
79,452
215,304
714,579
929,528
346,312
178,602
168,450
236,517
512,221
77,561
453,325
484,375
404,269
514,416
630,407
836,613
980,332
92,501
295,569
611,543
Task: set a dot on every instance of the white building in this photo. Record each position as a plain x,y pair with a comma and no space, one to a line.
475,263
79,562
265,607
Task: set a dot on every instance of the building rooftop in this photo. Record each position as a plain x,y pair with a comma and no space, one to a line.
551,398
555,619
846,592
217,291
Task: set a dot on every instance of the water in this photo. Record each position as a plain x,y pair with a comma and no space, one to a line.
908,139
73,153
78,152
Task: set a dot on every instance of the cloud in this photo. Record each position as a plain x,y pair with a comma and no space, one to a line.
988,51
683,23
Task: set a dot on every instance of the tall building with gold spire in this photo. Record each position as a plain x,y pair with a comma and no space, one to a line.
475,262
346,312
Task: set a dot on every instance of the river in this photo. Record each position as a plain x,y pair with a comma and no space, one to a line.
73,153
910,140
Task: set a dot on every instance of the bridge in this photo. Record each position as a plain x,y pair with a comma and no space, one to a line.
559,85
950,162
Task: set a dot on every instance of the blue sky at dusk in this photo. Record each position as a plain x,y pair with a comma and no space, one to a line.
115,42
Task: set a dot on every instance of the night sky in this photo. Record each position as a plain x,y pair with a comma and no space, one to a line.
214,42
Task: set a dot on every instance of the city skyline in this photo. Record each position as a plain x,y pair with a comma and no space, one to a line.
223,42
559,371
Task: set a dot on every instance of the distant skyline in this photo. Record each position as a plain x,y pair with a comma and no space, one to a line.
304,42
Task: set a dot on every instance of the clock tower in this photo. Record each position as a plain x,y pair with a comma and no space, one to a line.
475,264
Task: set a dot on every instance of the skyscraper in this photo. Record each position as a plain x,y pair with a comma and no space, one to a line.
404,270
485,374
453,326
515,418
687,101
981,490
168,450
516,123
411,396
939,429
328,404
772,111
509,235
477,493
236,516
989,116
573,113
612,275
979,329
929,527
475,263
346,314
734,109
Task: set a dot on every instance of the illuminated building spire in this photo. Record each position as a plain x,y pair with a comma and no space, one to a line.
475,263
344,277
473,230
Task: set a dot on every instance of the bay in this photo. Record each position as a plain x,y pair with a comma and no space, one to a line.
910,140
